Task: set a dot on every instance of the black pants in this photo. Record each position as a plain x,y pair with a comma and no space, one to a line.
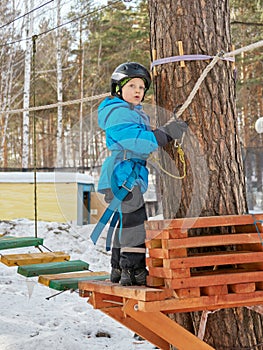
128,250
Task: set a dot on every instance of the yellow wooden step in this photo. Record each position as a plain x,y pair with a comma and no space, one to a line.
45,279
33,258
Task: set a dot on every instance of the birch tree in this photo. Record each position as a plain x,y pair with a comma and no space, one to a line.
27,77
59,89
6,56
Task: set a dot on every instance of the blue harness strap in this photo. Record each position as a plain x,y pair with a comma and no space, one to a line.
112,211
113,223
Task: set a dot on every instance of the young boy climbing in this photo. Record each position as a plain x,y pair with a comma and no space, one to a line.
131,141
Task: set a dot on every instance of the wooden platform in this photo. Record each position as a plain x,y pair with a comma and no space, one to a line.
227,273
122,304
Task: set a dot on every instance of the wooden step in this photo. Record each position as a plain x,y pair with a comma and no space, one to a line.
52,268
72,283
33,258
9,242
45,279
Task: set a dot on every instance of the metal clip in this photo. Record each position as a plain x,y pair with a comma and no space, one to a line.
127,188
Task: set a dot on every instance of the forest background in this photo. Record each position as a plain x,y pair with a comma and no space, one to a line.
60,54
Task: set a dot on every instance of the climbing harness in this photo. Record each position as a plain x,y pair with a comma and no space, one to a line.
113,211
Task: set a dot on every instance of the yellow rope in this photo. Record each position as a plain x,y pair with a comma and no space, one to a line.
181,158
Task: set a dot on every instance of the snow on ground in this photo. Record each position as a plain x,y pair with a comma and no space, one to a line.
64,322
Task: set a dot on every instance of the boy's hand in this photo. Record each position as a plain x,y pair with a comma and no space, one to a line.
175,129
172,130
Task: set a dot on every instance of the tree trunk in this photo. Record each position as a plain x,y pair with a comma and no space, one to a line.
214,184
27,76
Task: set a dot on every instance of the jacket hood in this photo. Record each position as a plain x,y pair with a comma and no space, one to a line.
111,103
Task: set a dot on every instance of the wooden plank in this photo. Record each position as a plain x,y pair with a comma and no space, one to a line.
159,323
154,281
242,287
187,292
45,279
161,253
212,302
33,258
214,290
199,222
154,262
214,240
205,221
162,272
165,234
8,242
136,326
215,258
152,234
132,292
72,283
216,278
102,301
154,243
52,268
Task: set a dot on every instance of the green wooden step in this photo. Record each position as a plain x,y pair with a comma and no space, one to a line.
72,283
19,242
52,268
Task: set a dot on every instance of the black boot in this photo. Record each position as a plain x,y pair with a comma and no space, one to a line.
115,275
133,277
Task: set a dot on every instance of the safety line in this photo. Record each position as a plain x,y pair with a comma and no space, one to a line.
218,57
54,105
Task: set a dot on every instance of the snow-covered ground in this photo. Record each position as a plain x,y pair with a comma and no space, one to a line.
29,321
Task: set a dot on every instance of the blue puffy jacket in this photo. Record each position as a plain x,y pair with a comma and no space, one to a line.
128,136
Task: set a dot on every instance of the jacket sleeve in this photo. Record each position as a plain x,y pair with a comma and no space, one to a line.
125,129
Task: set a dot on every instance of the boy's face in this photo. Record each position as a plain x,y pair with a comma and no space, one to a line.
133,91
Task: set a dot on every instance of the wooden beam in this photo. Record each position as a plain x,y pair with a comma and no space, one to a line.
213,240
165,328
214,278
212,302
136,326
211,259
205,221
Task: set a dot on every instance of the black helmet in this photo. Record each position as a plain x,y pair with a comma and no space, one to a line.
129,70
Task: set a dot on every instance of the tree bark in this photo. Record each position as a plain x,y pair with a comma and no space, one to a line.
215,182
27,76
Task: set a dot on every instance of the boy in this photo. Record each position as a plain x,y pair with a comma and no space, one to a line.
131,140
